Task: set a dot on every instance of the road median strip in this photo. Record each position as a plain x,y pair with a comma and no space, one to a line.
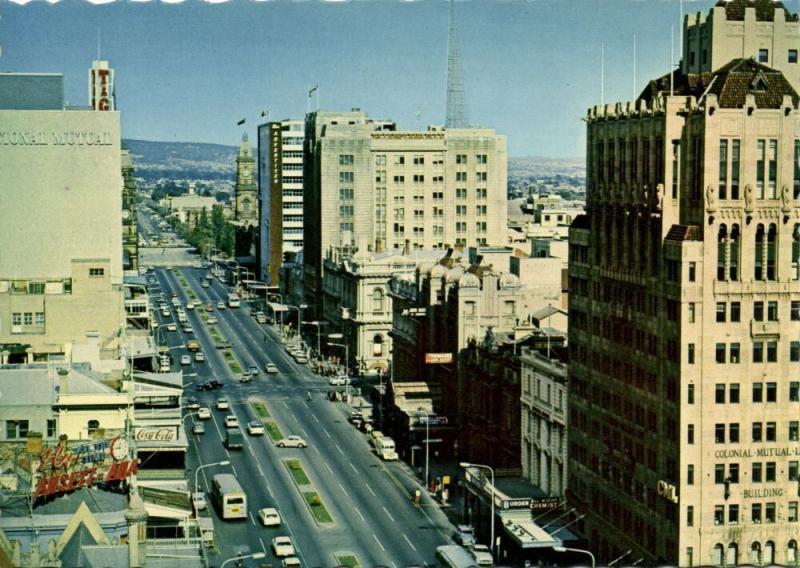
271,427
311,498
346,559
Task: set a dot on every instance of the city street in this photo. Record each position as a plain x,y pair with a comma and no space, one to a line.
374,517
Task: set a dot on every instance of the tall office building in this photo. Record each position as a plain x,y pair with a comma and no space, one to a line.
684,408
61,257
280,162
367,182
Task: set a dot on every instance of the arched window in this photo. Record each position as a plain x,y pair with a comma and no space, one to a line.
722,239
93,426
377,345
733,555
734,253
769,552
377,300
772,252
758,273
718,552
755,554
791,553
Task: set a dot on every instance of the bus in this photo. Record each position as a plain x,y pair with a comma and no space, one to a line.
233,301
454,556
228,496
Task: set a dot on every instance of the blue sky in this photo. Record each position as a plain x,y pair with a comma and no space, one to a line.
189,72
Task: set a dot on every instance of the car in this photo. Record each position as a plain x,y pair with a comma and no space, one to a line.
199,501
340,380
261,318
215,384
356,415
205,386
204,413
205,284
198,428
292,442
189,305
271,368
291,562
186,360
282,546
197,303
231,421
172,326
223,404
483,557
245,378
192,404
165,312
209,307
212,320
199,357
174,294
465,535
154,324
255,428
188,328
269,517
220,305
253,370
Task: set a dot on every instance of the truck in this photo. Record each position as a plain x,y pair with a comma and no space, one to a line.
385,448
234,439
193,345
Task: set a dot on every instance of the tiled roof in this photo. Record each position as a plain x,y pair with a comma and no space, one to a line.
678,233
765,9
731,84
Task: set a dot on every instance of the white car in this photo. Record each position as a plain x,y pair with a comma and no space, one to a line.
153,324
199,501
189,305
192,404
188,328
220,305
231,421
292,442
271,368
212,320
340,380
186,360
282,546
172,327
199,357
291,562
255,428
165,312
483,557
269,517
204,413
222,404
198,428
197,303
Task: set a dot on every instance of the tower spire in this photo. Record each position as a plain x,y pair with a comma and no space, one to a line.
456,106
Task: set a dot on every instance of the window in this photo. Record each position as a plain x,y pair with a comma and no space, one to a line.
794,351
346,177
690,393
733,514
16,318
735,355
377,300
795,311
719,514
758,352
763,55
690,360
758,311
461,158
794,431
792,56
723,169
793,471
722,308
719,433
757,428
692,271
51,427
16,429
735,144
733,472
97,271
772,311
733,433
690,474
345,159
772,352
690,516
736,311
794,391
733,393
757,470
461,176
92,426
419,160
719,394
770,434
772,392
377,346
27,318
769,512
35,287
792,518
720,352
719,473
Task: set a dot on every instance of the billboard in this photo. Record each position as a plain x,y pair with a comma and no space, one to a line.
438,358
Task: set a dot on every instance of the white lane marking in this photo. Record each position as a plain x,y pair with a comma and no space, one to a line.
252,519
379,542
314,416
316,450
328,434
388,514
359,514
264,548
411,544
303,430
370,490
286,405
329,467
342,488
233,467
354,467
341,451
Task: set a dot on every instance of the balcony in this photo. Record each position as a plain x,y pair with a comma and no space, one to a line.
764,329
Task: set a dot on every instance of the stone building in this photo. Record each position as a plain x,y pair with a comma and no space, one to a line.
684,295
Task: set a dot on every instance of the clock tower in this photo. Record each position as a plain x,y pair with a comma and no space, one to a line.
246,191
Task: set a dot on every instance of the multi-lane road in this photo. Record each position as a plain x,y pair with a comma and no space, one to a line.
370,501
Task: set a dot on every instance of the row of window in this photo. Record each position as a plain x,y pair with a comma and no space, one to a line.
27,318
18,429
761,432
756,556
763,352
759,512
762,392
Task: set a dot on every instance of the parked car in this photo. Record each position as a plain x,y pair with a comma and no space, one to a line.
465,535
340,380
198,428
292,442
483,557
199,501
271,368
282,546
231,421
223,404
269,517
186,360
255,428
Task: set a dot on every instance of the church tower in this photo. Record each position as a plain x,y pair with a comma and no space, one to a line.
246,191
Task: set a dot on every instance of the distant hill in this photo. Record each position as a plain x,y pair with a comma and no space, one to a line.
182,160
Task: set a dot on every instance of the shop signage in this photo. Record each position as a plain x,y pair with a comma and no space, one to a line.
763,452
160,434
432,420
438,358
62,469
540,504
61,138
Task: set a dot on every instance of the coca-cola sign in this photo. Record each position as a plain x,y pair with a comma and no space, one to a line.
160,434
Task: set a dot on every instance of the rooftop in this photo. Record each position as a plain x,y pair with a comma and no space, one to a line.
765,9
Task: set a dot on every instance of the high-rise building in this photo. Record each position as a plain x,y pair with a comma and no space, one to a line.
130,229
61,270
418,190
280,162
684,407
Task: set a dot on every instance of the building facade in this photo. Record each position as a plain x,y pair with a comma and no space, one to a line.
425,190
245,195
130,228
280,158
684,295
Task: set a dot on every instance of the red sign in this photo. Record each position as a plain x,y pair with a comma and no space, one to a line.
438,358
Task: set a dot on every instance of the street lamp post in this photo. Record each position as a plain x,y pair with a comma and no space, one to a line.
346,359
197,471
254,556
580,550
481,466
318,325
